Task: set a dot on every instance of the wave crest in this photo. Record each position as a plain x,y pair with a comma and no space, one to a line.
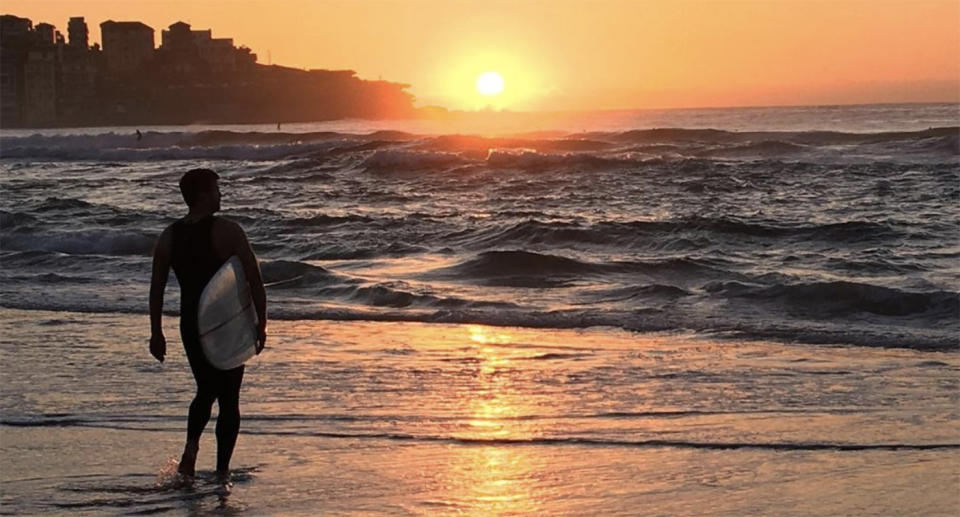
845,297
101,241
279,274
404,160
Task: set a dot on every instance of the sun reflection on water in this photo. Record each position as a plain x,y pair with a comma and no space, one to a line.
496,392
491,402
491,481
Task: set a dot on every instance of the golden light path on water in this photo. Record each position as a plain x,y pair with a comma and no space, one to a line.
495,400
485,479
497,479
489,404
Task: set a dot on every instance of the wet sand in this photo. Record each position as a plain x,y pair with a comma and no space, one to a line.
360,418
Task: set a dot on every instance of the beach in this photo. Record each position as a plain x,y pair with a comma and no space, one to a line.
370,418
745,311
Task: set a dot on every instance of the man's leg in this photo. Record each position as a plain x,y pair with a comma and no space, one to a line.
205,376
228,419
197,419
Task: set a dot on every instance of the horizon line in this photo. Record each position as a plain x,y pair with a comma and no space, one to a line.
677,108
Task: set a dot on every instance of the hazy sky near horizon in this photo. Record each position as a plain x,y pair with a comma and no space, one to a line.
602,54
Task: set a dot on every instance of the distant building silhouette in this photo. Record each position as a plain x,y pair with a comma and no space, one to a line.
191,50
79,71
15,33
77,33
127,46
40,86
14,27
191,77
44,34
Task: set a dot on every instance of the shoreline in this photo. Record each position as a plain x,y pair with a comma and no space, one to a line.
720,336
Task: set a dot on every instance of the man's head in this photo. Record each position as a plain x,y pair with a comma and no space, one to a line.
200,190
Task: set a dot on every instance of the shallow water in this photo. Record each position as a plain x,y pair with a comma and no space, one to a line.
372,418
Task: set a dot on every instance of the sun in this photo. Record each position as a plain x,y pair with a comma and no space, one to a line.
490,84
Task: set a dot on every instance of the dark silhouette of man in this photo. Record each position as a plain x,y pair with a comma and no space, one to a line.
196,246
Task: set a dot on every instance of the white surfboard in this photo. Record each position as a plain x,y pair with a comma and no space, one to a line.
227,317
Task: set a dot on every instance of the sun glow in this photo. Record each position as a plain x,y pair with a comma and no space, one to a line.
515,67
490,84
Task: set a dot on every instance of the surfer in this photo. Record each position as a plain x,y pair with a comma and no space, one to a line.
196,246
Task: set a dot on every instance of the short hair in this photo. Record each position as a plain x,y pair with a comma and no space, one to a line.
195,182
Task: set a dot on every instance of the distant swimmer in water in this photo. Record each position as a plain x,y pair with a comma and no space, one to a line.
196,246
139,135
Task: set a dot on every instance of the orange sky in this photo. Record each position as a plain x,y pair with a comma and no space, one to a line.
565,54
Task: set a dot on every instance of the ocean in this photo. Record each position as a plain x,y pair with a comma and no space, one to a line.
748,311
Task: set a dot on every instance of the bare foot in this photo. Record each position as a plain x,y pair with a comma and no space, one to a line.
223,477
188,461
224,487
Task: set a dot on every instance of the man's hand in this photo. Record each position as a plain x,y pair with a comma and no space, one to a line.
158,346
261,336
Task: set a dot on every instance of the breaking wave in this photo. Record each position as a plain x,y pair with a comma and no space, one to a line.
632,234
807,236
99,241
402,160
585,149
837,298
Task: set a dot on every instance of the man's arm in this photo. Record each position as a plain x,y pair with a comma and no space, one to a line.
240,246
158,282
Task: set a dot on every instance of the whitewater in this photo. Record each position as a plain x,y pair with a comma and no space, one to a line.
814,236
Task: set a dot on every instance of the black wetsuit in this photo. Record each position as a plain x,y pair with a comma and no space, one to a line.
194,261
